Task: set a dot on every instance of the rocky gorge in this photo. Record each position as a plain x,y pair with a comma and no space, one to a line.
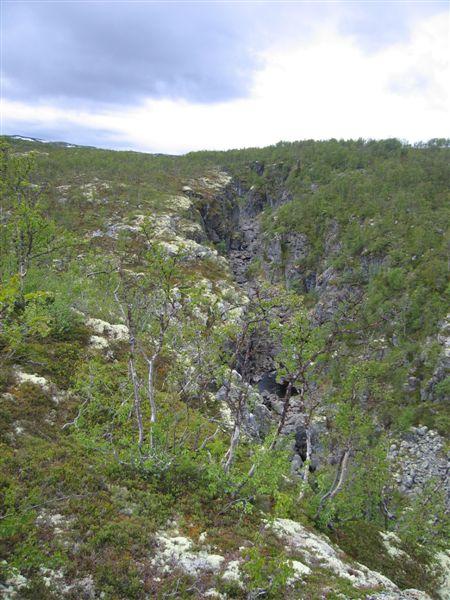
241,314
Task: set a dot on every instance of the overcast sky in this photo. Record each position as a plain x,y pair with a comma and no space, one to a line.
179,76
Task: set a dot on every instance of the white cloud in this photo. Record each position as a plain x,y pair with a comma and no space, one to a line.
324,87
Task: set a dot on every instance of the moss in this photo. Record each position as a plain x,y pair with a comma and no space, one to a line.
27,408
38,590
116,577
231,589
362,541
55,360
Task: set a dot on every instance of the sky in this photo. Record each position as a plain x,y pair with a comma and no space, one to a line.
177,76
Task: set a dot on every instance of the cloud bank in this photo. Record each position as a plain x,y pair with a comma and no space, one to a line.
174,77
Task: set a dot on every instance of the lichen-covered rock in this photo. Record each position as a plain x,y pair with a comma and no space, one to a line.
443,559
232,572
300,570
317,551
98,342
237,393
32,378
15,582
116,332
410,594
392,542
177,551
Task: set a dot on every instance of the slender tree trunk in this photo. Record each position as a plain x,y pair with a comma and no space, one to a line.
229,457
339,480
284,414
307,462
136,395
343,473
127,313
151,395
308,446
134,376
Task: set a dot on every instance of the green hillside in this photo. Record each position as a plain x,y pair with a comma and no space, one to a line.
206,357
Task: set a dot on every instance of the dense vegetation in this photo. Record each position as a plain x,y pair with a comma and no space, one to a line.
125,431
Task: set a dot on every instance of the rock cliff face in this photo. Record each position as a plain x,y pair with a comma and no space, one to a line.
232,218
418,458
435,389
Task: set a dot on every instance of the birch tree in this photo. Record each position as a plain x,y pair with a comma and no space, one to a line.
150,301
27,235
360,466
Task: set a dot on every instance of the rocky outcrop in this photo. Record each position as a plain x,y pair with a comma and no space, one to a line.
419,457
400,595
232,217
177,551
114,332
317,552
433,390
255,417
308,553
33,379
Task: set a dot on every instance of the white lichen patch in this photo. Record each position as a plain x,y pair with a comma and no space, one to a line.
90,191
168,225
32,378
410,594
215,180
300,569
232,573
226,416
98,342
55,580
213,593
391,543
51,578
193,250
317,551
116,332
178,203
57,396
11,588
60,524
176,551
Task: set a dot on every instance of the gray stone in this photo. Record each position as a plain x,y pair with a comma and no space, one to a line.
296,464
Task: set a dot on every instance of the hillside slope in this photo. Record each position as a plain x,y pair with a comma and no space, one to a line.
211,361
